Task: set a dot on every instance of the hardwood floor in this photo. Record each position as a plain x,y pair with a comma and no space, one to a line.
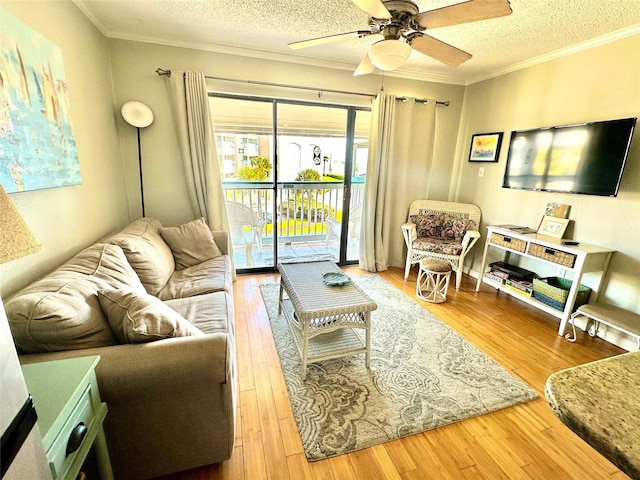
521,442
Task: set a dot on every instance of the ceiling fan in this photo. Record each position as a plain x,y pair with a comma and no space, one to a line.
402,27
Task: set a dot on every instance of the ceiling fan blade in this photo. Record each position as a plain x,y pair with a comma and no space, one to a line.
374,8
465,12
439,50
329,38
365,67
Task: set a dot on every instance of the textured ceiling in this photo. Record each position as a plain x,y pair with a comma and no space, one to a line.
262,28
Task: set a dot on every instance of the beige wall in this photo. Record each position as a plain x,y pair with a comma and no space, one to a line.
599,84
134,65
66,219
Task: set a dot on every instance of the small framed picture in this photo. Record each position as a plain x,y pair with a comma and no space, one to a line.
485,147
553,226
559,210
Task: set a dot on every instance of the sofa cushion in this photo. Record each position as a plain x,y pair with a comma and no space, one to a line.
436,245
61,311
147,253
209,276
211,313
137,317
191,243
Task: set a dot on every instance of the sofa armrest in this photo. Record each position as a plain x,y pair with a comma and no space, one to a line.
221,238
173,364
155,366
469,239
171,402
409,233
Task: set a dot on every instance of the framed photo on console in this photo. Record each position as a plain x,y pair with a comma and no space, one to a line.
485,147
553,226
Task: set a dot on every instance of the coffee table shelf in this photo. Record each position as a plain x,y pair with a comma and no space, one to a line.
325,322
327,344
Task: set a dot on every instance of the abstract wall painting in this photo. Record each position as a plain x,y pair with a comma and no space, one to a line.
37,146
485,147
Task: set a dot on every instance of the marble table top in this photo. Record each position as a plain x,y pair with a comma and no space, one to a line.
600,401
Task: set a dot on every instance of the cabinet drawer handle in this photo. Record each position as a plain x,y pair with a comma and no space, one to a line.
75,438
506,239
548,251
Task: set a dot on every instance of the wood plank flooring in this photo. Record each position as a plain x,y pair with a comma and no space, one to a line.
522,442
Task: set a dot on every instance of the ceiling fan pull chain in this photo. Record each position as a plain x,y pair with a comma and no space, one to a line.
382,83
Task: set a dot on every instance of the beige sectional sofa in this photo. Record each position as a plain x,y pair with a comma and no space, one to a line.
157,305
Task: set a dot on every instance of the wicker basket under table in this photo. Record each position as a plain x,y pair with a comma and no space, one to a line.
325,321
553,291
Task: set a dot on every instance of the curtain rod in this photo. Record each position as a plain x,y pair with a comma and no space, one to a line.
161,72
425,101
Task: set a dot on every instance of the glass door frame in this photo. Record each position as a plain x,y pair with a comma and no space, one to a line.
350,131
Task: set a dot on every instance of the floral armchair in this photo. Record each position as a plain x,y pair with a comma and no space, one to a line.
443,230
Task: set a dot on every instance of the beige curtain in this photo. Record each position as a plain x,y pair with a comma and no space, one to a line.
400,155
192,122
190,109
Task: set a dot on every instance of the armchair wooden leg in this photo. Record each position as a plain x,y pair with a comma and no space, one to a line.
407,268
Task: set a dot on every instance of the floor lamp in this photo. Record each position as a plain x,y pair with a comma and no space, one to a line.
138,115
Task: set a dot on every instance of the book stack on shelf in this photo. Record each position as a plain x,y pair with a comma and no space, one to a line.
495,277
511,277
521,287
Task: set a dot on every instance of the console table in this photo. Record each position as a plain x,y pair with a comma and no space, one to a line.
70,414
576,259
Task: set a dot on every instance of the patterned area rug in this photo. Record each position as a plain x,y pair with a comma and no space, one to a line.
423,375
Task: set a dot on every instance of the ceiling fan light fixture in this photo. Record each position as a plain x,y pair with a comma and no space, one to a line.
389,54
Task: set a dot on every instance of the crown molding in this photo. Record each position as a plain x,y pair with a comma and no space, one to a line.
282,57
91,18
579,47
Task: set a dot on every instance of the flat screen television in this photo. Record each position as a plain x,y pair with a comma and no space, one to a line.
588,158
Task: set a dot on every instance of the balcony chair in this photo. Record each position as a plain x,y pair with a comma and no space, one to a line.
241,216
334,226
443,230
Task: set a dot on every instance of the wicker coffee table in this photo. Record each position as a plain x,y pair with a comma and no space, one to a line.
325,321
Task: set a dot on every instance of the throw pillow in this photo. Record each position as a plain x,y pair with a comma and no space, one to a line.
146,252
138,317
428,225
191,243
454,227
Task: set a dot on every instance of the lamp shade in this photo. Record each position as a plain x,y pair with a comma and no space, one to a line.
389,54
16,240
137,114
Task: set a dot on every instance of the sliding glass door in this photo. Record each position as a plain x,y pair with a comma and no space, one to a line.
293,174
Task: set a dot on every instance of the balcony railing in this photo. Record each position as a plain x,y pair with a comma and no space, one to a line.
299,213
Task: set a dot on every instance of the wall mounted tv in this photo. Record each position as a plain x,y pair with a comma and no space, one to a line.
588,158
